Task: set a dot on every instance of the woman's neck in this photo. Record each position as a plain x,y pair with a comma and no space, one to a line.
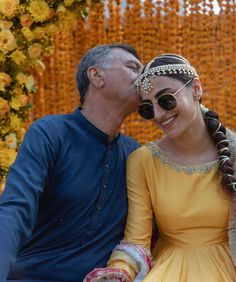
194,146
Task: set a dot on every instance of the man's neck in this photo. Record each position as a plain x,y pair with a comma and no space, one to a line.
107,121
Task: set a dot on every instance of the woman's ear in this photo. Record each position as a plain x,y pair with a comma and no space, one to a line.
95,76
197,89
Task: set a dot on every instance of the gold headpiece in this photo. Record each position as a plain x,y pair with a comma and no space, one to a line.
144,79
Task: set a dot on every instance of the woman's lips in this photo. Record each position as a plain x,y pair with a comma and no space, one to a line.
168,122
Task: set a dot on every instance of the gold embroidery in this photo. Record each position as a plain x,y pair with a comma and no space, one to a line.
189,169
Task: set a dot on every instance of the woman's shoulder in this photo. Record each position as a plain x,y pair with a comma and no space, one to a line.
145,151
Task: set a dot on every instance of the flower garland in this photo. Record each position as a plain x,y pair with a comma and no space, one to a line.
26,31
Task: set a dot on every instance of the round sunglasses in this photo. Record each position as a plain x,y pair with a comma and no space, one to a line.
166,101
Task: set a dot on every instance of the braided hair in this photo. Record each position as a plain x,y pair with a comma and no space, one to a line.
218,134
216,130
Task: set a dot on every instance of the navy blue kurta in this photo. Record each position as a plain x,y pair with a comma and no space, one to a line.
64,206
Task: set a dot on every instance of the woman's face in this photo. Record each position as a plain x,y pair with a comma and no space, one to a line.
180,119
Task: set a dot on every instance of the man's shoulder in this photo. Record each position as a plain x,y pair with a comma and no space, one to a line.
49,122
54,118
50,127
129,142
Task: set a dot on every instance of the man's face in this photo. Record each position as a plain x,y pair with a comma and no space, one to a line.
120,77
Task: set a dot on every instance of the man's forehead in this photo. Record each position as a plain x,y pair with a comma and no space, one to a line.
123,55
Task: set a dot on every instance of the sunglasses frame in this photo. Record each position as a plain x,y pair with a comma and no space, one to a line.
143,115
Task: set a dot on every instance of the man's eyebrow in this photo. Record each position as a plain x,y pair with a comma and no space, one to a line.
162,91
135,63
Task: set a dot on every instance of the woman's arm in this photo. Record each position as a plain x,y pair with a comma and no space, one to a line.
131,259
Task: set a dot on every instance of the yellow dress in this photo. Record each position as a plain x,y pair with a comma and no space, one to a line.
191,210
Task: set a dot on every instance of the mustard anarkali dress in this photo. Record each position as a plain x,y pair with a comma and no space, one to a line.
191,210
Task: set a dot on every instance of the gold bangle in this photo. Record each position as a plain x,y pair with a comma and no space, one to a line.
121,255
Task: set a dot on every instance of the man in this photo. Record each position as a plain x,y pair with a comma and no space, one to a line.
64,206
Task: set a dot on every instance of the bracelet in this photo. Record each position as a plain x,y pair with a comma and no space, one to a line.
120,264
107,274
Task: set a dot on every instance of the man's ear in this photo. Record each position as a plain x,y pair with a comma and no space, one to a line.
197,89
95,76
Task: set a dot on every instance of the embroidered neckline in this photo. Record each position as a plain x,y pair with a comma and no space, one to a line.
189,169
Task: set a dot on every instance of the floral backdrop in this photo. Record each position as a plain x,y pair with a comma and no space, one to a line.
192,28
26,30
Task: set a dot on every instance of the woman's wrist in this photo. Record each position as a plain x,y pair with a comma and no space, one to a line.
107,274
119,264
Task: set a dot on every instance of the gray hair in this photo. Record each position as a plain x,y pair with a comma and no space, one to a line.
100,56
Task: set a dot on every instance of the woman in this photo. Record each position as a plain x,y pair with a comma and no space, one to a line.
185,181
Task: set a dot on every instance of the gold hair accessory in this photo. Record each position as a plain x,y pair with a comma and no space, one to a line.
144,82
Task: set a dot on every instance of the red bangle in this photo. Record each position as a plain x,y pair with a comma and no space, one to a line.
114,274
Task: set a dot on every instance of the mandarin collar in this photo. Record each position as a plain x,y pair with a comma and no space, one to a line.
92,129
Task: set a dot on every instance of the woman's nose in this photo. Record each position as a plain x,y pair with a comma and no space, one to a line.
159,112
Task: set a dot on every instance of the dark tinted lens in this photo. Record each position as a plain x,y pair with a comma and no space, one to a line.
146,110
167,102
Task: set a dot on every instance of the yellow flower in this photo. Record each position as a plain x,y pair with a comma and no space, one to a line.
35,51
15,103
19,101
15,122
7,157
28,34
21,77
17,91
61,9
11,141
39,32
2,57
89,2
28,81
6,24
39,10
8,7
18,57
4,107
7,41
26,20
5,80
68,3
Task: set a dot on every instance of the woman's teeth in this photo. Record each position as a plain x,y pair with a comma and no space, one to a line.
167,121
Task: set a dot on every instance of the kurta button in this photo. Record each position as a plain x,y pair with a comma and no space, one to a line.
98,208
106,165
104,185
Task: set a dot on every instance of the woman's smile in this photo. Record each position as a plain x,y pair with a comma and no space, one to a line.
168,122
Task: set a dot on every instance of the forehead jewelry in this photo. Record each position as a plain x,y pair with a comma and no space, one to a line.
144,81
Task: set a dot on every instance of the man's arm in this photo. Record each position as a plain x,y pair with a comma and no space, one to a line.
25,184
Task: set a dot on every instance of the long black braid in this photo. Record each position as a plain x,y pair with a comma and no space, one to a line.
218,134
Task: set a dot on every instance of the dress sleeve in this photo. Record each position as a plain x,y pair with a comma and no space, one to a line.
19,201
139,221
